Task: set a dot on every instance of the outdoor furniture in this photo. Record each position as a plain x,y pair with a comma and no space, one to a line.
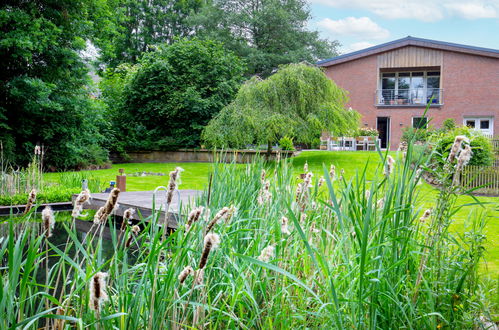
360,143
334,143
348,143
371,142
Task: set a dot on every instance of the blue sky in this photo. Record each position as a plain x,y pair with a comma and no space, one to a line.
358,24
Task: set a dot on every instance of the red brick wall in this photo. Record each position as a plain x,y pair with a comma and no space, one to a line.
470,84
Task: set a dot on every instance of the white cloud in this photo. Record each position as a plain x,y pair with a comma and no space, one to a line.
362,27
423,10
472,10
357,46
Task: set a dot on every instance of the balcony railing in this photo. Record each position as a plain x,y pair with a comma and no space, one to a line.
409,97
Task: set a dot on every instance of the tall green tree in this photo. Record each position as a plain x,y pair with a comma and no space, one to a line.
172,94
132,26
298,101
44,95
266,33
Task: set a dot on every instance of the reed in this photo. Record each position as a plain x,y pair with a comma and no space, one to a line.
348,262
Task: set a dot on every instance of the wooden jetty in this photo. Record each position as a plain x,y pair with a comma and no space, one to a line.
142,202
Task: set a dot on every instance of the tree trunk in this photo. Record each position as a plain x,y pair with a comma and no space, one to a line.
269,150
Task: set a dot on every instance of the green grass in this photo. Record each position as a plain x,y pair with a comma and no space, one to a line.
196,175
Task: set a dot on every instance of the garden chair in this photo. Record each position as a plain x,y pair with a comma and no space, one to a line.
360,143
371,142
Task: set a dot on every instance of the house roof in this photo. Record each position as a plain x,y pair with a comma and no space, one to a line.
410,41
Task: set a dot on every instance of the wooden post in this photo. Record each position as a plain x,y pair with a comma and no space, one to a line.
121,180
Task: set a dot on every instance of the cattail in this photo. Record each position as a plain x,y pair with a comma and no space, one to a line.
31,201
199,277
211,241
82,198
368,194
38,150
231,213
173,184
380,203
284,226
48,221
267,253
221,214
390,163
303,218
264,195
305,167
135,232
298,192
313,229
342,172
456,147
193,217
307,182
127,217
262,177
464,157
185,273
109,207
425,215
98,215
321,181
98,291
332,172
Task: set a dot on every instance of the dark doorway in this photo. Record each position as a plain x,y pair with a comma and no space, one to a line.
383,126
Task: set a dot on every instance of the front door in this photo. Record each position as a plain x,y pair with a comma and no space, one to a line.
383,127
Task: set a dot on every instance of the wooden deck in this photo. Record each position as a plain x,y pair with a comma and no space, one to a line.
142,202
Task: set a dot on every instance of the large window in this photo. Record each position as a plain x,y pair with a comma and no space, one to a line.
414,87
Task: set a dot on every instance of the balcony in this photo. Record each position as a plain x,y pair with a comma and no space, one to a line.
409,97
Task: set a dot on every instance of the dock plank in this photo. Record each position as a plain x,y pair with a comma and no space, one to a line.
142,201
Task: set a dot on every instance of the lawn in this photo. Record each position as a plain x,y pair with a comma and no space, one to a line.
195,176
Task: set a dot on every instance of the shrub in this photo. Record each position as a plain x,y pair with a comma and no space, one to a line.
480,145
413,134
286,143
449,124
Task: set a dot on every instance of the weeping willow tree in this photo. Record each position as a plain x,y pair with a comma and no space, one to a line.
298,101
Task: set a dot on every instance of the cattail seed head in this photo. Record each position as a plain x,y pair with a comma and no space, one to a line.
127,217
313,229
211,241
284,226
262,176
173,184
80,200
390,164
184,273
464,157
109,207
135,230
267,254
199,277
31,200
98,291
380,203
98,215
425,215
193,217
305,167
303,218
368,194
456,147
264,195
332,172
48,221
38,150
221,214
321,181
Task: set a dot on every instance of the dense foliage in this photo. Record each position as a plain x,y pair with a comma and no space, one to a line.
266,33
44,86
298,101
172,94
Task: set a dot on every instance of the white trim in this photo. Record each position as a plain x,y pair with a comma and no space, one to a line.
388,133
477,119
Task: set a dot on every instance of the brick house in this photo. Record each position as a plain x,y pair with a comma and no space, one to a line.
390,85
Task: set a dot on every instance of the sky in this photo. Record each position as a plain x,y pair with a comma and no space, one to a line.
359,24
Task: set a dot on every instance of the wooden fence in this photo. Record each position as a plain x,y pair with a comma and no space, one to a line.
478,176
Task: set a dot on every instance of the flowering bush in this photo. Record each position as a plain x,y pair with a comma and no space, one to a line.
367,131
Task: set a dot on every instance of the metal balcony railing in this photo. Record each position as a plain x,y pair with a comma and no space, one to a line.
409,97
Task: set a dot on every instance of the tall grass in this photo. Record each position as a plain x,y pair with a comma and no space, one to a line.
21,180
361,257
